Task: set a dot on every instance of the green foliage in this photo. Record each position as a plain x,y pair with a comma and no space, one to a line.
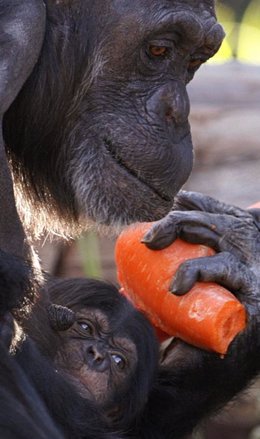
90,255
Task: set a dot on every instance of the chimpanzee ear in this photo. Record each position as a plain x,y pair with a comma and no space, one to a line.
61,318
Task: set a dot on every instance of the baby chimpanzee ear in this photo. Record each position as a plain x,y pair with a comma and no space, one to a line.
61,318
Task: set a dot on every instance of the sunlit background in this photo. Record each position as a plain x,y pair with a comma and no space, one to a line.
241,21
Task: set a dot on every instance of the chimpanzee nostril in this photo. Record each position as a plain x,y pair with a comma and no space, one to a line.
90,351
95,355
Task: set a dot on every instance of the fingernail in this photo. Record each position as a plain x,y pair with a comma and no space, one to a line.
148,237
173,287
177,288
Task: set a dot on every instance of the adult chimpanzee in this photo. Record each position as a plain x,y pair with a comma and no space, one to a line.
100,128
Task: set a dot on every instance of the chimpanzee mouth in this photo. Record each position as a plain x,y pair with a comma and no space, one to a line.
113,153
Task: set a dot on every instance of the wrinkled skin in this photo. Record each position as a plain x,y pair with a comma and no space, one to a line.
100,129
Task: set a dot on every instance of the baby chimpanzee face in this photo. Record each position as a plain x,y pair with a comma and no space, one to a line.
95,358
102,345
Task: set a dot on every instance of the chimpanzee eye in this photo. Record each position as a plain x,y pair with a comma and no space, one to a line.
87,327
158,51
119,361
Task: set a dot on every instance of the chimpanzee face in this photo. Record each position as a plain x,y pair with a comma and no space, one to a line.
94,358
99,342
137,107
110,142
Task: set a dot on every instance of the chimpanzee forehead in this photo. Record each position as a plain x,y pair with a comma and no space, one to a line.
135,21
150,5
144,15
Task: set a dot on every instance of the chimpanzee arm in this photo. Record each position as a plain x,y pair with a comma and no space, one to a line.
193,383
197,387
22,26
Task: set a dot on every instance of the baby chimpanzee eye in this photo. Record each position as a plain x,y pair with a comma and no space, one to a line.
119,361
87,327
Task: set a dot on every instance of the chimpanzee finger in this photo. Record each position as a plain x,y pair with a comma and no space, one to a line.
195,227
162,233
223,268
219,231
197,201
200,235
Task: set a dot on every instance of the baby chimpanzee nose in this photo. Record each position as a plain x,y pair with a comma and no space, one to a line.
97,356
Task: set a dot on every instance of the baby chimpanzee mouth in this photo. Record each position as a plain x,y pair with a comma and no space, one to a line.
118,159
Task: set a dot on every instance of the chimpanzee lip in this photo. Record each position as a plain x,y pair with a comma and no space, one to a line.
113,153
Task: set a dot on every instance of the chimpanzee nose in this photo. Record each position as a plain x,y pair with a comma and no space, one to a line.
97,357
170,104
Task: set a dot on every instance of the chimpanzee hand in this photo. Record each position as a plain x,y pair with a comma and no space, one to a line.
193,383
231,231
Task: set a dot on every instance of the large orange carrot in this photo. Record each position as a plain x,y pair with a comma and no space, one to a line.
208,316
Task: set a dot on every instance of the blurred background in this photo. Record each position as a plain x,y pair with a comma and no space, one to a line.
225,121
